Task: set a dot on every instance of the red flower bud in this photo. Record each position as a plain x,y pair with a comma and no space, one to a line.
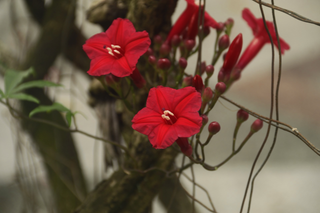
110,80
232,54
197,83
256,125
224,42
220,26
164,63
209,70
187,81
220,87
165,49
214,127
206,31
183,63
175,41
137,78
189,44
207,94
203,67
242,116
204,119
149,52
152,59
157,39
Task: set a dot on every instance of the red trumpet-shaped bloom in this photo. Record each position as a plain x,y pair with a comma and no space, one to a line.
260,38
189,18
117,50
169,114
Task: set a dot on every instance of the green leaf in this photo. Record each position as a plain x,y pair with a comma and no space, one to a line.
22,96
54,106
38,83
69,116
12,78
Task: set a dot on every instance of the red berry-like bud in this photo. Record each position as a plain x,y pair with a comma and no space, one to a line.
221,76
157,39
152,59
187,81
149,52
214,127
207,94
224,42
175,41
183,63
256,126
221,27
204,119
198,83
209,70
229,22
189,44
242,115
165,49
203,67
221,87
164,63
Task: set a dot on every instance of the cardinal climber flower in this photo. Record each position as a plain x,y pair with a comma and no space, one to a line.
189,18
260,38
117,50
170,115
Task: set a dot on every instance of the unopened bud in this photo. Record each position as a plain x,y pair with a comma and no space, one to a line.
152,59
164,63
184,145
165,49
220,27
206,31
197,83
207,94
110,80
256,125
203,67
187,81
214,127
189,44
220,87
175,41
137,79
209,70
157,39
204,119
242,116
224,42
183,63
149,52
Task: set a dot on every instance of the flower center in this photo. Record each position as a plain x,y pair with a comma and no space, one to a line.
114,50
168,117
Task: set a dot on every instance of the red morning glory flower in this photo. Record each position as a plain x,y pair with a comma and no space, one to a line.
260,38
169,115
189,17
117,50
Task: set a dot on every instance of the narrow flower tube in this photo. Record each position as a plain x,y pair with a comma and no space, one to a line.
184,145
137,78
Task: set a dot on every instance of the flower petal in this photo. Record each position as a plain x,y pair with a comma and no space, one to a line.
209,21
120,31
146,120
94,46
186,127
250,19
160,99
163,136
136,46
187,99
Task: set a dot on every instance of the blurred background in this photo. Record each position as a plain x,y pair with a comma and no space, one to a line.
290,180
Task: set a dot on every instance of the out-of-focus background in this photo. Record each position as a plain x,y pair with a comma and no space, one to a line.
290,180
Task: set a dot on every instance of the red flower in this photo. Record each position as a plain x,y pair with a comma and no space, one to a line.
117,50
189,17
260,38
169,114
